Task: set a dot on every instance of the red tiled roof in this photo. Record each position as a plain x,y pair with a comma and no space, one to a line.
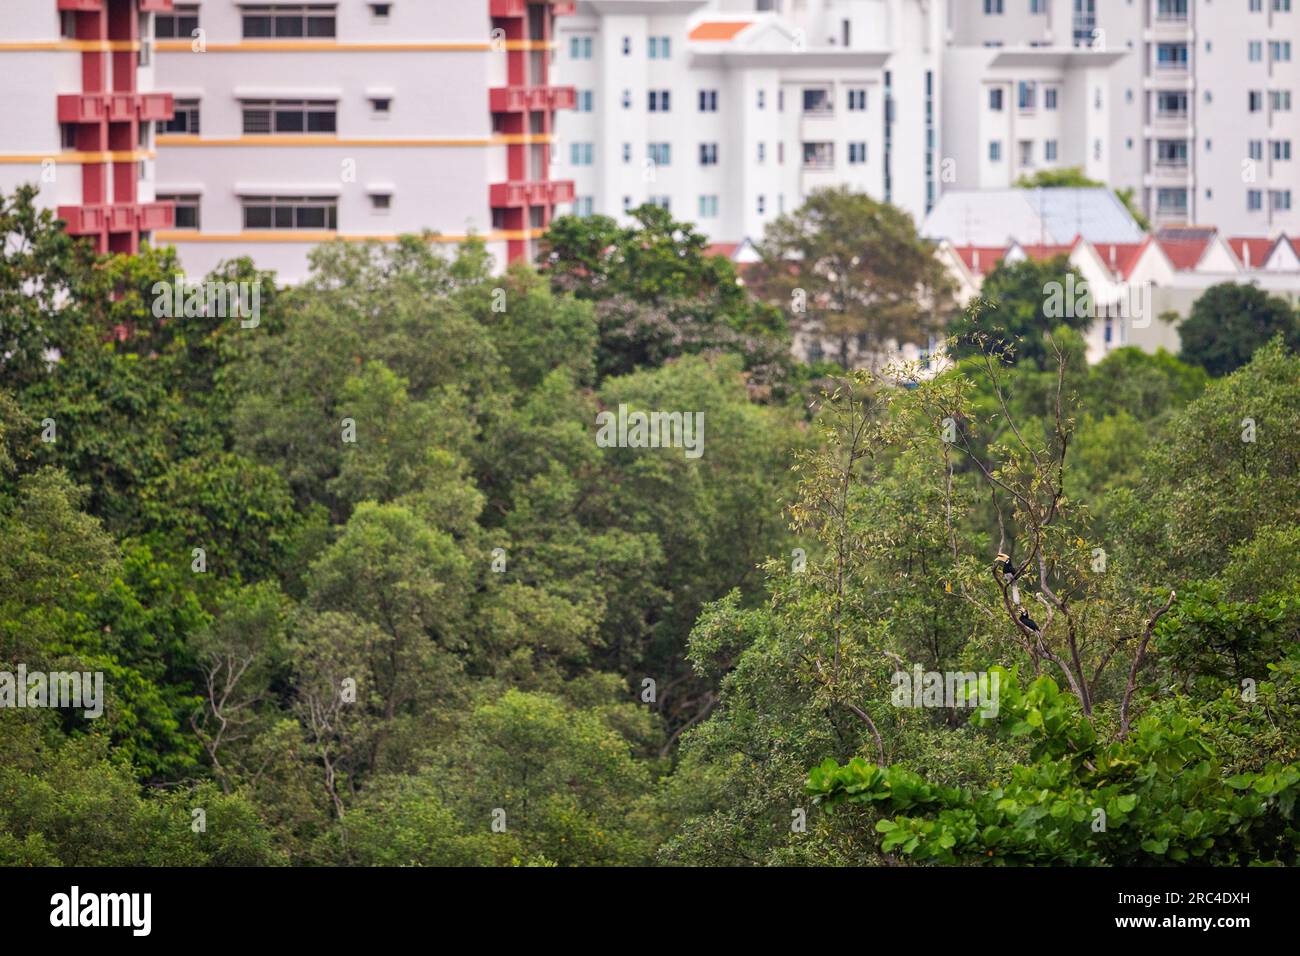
1251,251
1184,253
1122,257
1041,253
980,259
724,249
718,29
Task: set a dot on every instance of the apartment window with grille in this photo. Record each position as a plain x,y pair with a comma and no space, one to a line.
288,20
708,101
586,101
1281,199
1279,51
709,207
857,153
1254,101
993,8
660,101
579,48
627,99
290,116
177,23
995,99
187,209
819,155
660,48
627,152
67,24
581,154
1050,94
290,212
1050,149
185,119
381,202
661,154
818,101
1254,200
663,202
708,154
1255,149
1027,96
857,100
1280,100
1281,150
381,105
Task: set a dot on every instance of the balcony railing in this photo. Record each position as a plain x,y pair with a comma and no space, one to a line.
538,193
519,99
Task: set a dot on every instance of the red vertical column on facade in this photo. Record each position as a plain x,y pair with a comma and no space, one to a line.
106,119
513,107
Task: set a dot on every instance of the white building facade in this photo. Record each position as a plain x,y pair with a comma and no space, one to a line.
1189,103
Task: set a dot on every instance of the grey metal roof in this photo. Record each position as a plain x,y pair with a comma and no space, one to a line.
996,217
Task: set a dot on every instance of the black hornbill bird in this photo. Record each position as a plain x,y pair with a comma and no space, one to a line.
1005,567
1028,621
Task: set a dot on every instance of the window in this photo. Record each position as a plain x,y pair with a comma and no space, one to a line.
819,155
761,204
627,203
708,207
1256,6
762,152
1037,7
1171,56
708,154
995,99
1026,152
627,152
1255,149
627,46
187,209
579,48
290,116
660,101
181,22
1280,100
1171,152
290,212
663,202
1255,51
288,20
857,100
857,153
1281,150
580,154
780,154
1281,199
660,48
586,101
583,205
993,8
1026,96
1282,6
185,119
995,151
381,105
1254,101
1171,104
661,154
1254,200
627,99
818,101
1049,97
1050,150
1279,51
68,135
762,99
381,202
379,12
708,101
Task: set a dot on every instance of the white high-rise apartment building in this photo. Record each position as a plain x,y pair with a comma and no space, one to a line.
731,111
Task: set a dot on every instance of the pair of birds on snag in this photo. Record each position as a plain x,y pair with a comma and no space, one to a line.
1009,575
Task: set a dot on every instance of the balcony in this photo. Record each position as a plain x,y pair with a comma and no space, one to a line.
539,193
81,107
83,220
154,106
522,99
123,217
115,107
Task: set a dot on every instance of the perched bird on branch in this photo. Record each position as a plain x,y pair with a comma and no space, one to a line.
1004,567
1028,621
